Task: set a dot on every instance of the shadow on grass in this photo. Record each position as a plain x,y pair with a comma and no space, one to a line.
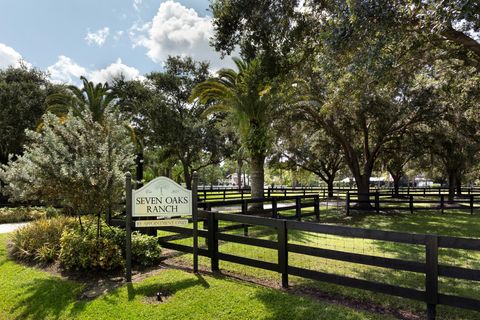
151,289
47,298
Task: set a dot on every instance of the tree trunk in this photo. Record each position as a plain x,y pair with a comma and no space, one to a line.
396,182
257,180
396,187
451,186
363,189
187,176
458,182
330,187
239,173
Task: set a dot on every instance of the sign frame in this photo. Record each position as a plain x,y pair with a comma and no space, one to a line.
191,209
162,197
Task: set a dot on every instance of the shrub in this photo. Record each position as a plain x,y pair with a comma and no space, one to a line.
145,249
22,214
47,240
84,251
75,162
39,240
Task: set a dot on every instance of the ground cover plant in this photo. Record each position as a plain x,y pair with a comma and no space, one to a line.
29,293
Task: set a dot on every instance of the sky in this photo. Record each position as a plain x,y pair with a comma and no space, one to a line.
103,38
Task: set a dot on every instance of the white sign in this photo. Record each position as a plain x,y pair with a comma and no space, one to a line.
160,223
162,197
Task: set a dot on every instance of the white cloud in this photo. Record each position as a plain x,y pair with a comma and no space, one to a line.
118,35
65,70
177,30
10,57
137,4
114,70
99,37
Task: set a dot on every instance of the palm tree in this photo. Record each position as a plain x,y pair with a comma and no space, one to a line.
98,99
246,97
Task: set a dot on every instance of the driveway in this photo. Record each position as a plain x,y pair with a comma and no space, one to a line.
9,227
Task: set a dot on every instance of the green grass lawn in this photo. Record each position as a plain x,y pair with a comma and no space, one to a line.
29,293
450,223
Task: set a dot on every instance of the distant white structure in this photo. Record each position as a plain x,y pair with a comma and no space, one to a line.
232,180
422,182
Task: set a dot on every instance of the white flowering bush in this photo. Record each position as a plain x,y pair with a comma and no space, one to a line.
74,162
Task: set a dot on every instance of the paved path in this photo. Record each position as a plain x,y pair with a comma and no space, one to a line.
9,227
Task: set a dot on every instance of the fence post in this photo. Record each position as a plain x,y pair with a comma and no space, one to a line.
442,202
241,193
471,204
298,208
348,203
224,194
377,202
411,203
268,192
274,208
213,240
431,276
244,206
316,207
282,235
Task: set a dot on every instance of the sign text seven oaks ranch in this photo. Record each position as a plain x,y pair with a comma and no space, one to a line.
162,205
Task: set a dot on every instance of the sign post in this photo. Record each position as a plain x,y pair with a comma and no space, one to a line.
128,226
195,221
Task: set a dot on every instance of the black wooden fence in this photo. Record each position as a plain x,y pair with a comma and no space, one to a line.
382,201
429,267
275,205
222,193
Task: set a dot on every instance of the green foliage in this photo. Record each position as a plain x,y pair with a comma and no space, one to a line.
77,163
246,96
96,99
84,251
48,240
20,214
169,122
22,103
40,240
145,250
